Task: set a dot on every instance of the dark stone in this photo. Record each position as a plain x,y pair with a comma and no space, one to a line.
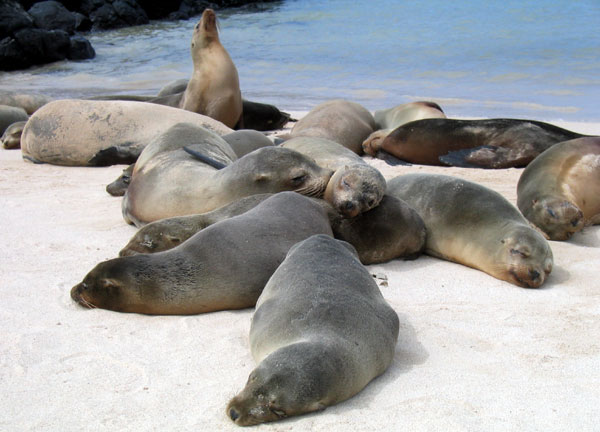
51,15
121,13
159,9
12,18
10,55
40,46
72,5
189,8
82,23
81,49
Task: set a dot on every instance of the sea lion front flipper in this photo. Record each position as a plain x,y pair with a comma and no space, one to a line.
486,156
390,159
126,153
197,153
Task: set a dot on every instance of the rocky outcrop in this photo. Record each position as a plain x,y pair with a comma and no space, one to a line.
37,32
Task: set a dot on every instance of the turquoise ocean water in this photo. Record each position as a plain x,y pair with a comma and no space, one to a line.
525,59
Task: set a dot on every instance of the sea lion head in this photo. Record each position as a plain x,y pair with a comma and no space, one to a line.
111,285
206,31
355,189
277,169
557,217
290,381
525,257
11,139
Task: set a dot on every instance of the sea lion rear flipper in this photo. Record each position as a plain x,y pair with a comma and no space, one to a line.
477,157
197,153
125,153
390,159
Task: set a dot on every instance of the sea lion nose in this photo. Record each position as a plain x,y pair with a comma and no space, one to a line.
233,414
534,274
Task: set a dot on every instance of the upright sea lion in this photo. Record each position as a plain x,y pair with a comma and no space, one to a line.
472,225
9,115
559,191
214,88
489,143
167,181
224,266
355,187
11,139
344,122
389,231
389,119
321,332
98,133
30,102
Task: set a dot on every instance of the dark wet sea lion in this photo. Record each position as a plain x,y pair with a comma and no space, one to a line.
321,332
224,266
489,143
559,192
472,225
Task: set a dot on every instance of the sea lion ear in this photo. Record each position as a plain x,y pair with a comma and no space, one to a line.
261,177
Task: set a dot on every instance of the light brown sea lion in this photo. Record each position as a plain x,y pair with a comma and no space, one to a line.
344,122
11,139
559,191
9,115
472,225
98,133
389,231
167,181
30,102
488,143
214,88
355,187
321,332
389,119
244,141
224,266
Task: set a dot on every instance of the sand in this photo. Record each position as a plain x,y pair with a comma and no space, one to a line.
474,352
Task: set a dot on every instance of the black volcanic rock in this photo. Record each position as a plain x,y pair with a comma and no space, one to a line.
51,15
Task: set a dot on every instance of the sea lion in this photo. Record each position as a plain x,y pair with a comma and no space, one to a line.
30,102
167,181
344,122
320,333
389,119
99,133
389,231
489,143
355,186
174,87
472,225
244,141
214,88
120,185
11,139
9,115
559,191
224,266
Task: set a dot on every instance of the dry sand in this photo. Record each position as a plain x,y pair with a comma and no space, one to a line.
474,353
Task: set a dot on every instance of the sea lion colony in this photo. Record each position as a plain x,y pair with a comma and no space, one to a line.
239,240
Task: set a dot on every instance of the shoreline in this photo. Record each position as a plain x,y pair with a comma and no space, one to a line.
474,352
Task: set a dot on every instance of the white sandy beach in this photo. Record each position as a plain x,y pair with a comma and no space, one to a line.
474,353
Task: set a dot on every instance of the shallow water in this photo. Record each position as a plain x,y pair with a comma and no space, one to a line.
527,59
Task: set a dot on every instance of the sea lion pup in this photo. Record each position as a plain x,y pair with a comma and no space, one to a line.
9,115
489,143
99,133
355,186
389,231
214,88
472,225
224,266
30,102
321,332
389,119
11,139
167,181
120,185
347,123
559,191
